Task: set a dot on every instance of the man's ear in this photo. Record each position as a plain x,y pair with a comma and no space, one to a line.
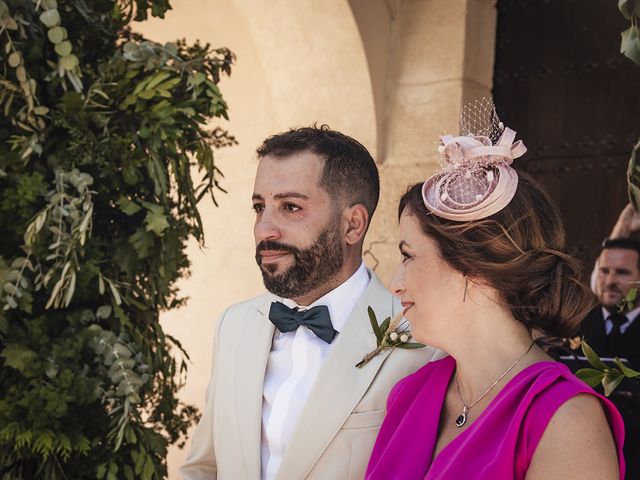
357,221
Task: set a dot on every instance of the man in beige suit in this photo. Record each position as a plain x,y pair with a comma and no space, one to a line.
286,400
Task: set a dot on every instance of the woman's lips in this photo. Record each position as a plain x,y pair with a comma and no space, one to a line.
269,256
407,306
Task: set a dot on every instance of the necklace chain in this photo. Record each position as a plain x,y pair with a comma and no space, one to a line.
466,407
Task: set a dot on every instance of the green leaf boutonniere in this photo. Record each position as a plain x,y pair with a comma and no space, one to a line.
389,334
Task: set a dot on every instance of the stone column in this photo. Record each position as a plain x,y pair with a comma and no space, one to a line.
441,56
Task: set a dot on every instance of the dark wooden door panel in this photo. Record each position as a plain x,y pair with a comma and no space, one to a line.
560,81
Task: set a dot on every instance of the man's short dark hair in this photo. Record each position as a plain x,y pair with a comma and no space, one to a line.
349,172
622,243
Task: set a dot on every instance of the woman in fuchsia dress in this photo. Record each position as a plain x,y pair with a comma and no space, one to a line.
484,266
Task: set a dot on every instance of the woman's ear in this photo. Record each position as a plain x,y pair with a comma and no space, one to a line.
480,291
357,221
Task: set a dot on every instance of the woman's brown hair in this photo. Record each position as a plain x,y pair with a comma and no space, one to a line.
520,251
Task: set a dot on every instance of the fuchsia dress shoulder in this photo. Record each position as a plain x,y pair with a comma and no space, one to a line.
499,444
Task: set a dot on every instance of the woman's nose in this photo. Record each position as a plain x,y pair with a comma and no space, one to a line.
397,286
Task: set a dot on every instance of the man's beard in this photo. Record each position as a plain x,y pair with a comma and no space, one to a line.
312,266
611,289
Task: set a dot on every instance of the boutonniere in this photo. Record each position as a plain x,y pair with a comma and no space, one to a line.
389,334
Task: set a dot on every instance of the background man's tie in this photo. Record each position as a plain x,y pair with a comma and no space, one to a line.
613,338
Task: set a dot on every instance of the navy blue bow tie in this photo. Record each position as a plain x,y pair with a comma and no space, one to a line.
316,319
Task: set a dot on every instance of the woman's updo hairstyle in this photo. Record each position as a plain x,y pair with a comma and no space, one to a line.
520,251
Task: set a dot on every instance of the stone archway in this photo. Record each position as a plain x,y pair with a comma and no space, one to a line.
314,64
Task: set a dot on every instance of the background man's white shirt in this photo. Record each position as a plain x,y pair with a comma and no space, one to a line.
608,324
293,365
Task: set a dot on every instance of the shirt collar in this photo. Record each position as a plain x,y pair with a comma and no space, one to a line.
341,300
631,314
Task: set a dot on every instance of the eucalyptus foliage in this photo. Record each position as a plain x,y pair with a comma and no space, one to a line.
630,38
630,47
101,133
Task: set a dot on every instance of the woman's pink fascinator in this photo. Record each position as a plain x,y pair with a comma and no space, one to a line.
476,179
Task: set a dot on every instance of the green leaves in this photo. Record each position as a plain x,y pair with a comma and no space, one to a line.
629,8
590,376
374,324
127,206
611,380
629,301
156,221
633,178
592,357
68,63
63,48
411,345
104,251
118,356
6,20
391,333
68,221
14,60
18,357
57,34
626,371
384,326
630,41
630,44
603,375
142,242
50,18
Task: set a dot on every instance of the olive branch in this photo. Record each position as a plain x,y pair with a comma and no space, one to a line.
389,334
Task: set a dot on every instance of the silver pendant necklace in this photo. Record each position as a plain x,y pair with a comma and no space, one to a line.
462,418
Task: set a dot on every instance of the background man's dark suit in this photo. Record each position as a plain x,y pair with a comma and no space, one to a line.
593,330
627,395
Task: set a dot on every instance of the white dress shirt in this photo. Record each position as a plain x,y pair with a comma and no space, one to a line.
294,362
608,324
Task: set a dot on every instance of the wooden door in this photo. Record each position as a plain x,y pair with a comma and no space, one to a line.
561,83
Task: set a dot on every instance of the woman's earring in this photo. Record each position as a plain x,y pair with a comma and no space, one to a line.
466,283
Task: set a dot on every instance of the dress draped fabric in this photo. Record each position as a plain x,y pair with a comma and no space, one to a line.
499,444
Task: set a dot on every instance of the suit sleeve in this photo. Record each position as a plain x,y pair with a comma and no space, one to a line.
201,461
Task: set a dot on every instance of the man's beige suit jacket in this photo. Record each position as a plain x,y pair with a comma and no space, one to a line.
338,425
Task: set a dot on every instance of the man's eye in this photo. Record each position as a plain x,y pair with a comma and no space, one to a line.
290,207
258,207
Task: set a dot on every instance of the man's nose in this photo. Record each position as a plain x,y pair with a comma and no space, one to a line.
266,227
611,278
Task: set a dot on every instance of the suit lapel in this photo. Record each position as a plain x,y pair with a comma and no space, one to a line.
629,343
252,354
339,385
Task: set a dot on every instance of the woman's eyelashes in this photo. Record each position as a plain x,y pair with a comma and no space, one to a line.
405,256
